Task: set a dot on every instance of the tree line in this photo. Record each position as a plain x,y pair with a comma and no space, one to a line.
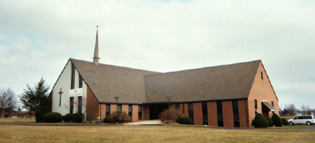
291,110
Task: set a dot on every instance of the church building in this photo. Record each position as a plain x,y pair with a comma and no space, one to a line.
226,95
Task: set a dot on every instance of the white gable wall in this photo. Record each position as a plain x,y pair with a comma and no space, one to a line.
64,82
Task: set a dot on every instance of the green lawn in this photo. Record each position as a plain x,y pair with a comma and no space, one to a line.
27,132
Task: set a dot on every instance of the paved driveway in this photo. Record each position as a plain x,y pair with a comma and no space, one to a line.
146,122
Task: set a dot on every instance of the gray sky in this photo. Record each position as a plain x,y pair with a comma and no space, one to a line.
38,37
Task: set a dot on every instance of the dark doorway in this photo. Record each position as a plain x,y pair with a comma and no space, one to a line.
156,109
265,109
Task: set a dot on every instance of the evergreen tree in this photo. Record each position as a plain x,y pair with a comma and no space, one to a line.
36,99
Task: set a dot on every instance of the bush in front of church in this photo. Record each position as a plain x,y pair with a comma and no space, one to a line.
77,117
284,121
184,120
170,115
260,121
52,117
276,120
117,117
269,121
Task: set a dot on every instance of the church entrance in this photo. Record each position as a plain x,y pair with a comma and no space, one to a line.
156,110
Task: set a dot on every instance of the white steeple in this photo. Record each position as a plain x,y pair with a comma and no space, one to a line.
96,57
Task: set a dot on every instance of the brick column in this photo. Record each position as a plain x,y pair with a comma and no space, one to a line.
227,111
212,114
134,112
242,113
197,109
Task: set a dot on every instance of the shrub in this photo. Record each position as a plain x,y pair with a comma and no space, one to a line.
117,117
184,120
269,121
284,121
77,117
260,121
171,114
68,117
52,117
276,120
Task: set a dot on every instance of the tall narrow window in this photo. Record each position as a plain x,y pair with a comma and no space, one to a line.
107,109
255,103
119,107
72,76
130,111
80,104
205,113
235,113
184,108
71,105
140,112
190,111
261,75
80,81
219,113
177,106
272,104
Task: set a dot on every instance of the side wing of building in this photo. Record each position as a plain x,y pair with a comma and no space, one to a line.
262,97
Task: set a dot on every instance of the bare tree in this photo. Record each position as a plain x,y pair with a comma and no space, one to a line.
289,110
308,110
7,101
303,110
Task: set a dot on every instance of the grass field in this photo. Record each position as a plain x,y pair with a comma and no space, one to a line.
169,133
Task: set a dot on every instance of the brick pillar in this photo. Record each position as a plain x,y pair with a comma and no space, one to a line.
134,112
242,113
172,106
227,111
186,112
124,108
181,108
146,112
197,109
113,108
212,114
103,111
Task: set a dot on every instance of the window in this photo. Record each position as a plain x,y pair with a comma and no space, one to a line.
130,111
219,113
261,75
119,107
190,111
80,81
205,113
235,113
140,112
72,76
71,105
272,104
255,103
177,106
80,104
183,108
107,109
308,117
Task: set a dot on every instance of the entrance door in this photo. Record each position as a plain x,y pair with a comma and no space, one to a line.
156,110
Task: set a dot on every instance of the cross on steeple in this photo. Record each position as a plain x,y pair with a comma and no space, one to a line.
60,93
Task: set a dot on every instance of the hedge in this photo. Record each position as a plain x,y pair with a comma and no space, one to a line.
117,117
184,120
52,117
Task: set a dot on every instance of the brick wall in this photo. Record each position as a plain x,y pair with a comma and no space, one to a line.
197,109
134,112
212,114
227,111
92,106
261,90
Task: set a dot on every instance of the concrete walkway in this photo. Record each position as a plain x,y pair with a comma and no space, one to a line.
146,122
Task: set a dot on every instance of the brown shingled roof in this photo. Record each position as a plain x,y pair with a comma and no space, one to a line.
139,86
107,81
210,83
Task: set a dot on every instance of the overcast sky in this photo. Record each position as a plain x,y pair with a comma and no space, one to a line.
38,37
